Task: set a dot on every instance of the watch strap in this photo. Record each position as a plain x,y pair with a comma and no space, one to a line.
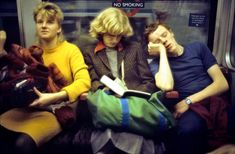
188,101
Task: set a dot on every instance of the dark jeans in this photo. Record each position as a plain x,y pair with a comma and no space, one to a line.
189,135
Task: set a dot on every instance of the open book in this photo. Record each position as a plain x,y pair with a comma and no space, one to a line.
120,90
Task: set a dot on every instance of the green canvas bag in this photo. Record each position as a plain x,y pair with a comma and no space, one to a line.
134,114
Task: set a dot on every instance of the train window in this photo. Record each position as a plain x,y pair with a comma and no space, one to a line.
193,19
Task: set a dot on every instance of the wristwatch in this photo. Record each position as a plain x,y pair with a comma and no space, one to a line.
188,101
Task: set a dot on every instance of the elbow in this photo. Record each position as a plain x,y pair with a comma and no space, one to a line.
223,86
226,86
165,86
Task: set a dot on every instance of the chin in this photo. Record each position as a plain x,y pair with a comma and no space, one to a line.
111,46
43,36
172,50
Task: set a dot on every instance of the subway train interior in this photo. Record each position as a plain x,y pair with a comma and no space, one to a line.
209,21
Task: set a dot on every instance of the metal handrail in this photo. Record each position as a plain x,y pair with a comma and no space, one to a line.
228,61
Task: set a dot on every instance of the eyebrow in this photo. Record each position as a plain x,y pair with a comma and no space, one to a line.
153,40
165,32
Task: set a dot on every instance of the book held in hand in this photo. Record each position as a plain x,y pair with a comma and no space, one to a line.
120,90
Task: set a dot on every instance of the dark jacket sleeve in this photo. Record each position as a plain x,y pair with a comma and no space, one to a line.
137,72
88,53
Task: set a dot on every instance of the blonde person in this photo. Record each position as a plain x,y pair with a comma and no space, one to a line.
111,28
26,129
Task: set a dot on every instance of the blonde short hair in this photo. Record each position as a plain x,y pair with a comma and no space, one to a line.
51,11
113,21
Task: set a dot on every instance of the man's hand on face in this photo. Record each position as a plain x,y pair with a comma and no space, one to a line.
155,49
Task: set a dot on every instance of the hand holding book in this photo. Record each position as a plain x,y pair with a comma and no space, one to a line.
121,91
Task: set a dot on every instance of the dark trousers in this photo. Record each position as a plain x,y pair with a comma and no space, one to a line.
16,143
189,135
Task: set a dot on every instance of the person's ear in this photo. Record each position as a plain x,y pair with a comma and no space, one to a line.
59,30
172,34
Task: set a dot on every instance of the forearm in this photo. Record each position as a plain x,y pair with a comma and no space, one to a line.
81,84
164,79
216,88
60,96
46,99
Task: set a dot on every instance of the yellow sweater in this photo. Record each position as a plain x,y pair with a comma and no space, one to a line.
70,62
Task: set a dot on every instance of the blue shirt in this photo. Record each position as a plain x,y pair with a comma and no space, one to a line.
190,69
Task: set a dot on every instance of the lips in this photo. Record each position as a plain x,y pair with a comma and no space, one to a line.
168,46
44,31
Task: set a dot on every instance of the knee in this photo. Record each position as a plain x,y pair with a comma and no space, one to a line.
24,144
189,130
192,125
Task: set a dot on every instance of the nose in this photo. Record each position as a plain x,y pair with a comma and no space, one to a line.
116,38
44,24
162,39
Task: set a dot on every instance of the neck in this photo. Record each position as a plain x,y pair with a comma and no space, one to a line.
180,50
49,44
177,52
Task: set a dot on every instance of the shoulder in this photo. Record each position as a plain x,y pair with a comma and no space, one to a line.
196,44
197,47
132,47
131,44
89,48
71,49
69,45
